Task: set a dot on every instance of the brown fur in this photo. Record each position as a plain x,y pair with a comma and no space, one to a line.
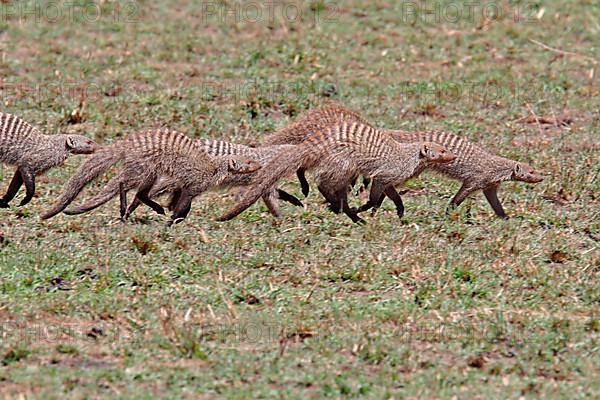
475,167
339,153
219,149
312,121
150,156
34,153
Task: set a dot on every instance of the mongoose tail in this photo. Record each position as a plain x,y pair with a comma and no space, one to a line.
98,163
286,163
114,187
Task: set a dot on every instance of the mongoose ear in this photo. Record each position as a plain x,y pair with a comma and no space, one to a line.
69,143
517,169
232,165
425,150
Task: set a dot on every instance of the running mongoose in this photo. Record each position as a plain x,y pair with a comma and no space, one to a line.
220,148
34,153
475,167
341,152
306,124
150,156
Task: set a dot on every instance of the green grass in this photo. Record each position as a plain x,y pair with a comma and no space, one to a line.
310,306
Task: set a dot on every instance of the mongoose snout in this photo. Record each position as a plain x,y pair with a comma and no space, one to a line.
243,165
524,173
77,144
436,153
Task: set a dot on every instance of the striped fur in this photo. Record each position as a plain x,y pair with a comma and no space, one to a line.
34,153
220,148
312,121
149,157
475,167
339,153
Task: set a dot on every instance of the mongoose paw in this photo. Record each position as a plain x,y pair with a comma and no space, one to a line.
24,202
334,209
305,188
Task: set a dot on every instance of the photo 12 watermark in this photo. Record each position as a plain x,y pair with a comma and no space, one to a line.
454,12
488,92
55,12
269,12
53,332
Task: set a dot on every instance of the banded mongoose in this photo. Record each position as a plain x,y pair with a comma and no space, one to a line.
220,148
150,156
33,153
306,124
475,167
339,154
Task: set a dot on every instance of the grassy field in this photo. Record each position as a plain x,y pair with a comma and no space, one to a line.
312,305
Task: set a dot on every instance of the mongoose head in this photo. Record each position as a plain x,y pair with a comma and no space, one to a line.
435,153
77,144
242,165
524,173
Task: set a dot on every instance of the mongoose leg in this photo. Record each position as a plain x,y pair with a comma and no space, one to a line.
285,196
303,182
123,201
135,203
174,199
150,203
376,197
335,203
143,196
269,200
464,191
339,198
139,199
29,181
366,183
182,208
351,212
491,194
13,189
393,194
